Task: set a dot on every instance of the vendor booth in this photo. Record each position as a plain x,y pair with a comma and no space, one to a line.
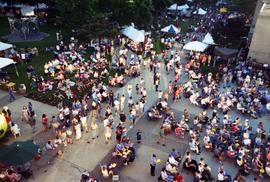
5,46
175,7
195,46
5,62
137,38
134,34
208,39
225,53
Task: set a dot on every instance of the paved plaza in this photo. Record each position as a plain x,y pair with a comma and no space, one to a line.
82,155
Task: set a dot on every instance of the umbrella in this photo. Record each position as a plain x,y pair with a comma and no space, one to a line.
195,46
171,29
18,153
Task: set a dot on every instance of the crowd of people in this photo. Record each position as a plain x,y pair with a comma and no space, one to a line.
237,86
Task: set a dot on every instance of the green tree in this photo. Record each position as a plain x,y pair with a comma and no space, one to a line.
75,12
142,13
245,6
159,5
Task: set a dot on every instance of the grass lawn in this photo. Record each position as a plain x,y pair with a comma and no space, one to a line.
158,46
37,61
185,24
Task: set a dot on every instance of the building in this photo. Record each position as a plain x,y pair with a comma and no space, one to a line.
260,33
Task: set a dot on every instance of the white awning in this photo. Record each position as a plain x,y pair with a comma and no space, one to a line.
202,11
175,7
195,46
134,34
208,39
5,46
28,11
5,62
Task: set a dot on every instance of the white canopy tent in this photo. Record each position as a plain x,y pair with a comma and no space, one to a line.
39,5
5,46
28,11
183,7
171,29
42,6
175,7
134,34
200,11
208,39
195,46
5,62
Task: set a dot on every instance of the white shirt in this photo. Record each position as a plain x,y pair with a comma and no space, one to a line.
164,175
15,129
173,161
220,177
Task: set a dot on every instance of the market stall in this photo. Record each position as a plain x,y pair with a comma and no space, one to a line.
195,46
5,46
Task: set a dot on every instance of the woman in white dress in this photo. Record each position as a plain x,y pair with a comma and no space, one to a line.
77,127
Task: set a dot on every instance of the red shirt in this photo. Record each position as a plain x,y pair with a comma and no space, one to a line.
179,178
44,120
7,118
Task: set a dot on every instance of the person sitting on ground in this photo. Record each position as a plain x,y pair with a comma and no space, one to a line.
15,130
190,165
49,145
173,161
176,155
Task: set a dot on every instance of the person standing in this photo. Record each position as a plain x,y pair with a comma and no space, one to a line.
122,102
11,96
30,107
83,120
108,134
129,90
139,136
111,98
24,114
161,136
153,163
116,106
44,120
32,121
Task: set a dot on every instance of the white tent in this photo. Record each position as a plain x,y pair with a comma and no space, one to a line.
5,46
195,46
208,39
175,7
28,11
171,29
5,62
42,6
201,11
183,7
134,34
